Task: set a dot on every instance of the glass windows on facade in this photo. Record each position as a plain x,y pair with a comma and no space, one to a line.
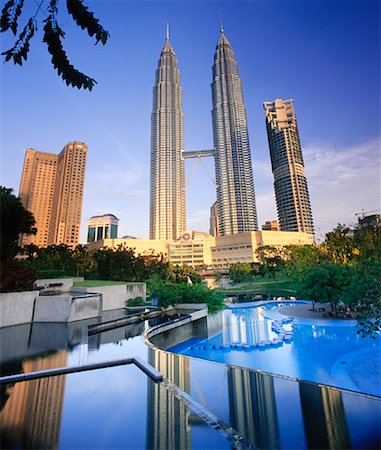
91,234
114,231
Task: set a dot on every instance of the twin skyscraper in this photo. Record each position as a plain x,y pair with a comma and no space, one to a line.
233,168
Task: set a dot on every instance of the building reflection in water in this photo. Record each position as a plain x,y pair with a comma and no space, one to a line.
324,417
168,418
254,411
253,407
245,326
31,416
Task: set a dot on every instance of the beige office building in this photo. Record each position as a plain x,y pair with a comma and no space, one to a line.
198,248
271,225
52,189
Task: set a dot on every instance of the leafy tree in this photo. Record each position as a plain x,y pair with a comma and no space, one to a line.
123,264
299,258
367,242
240,272
183,273
15,219
327,283
271,258
53,33
364,296
339,245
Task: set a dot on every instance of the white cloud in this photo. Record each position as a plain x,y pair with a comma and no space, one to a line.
342,181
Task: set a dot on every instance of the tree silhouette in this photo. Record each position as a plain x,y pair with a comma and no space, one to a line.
53,33
15,219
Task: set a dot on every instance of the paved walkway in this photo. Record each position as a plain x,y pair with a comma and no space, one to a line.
305,311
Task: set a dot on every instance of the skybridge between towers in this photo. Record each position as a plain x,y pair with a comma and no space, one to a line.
198,153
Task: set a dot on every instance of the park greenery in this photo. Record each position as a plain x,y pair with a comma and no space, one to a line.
11,16
344,270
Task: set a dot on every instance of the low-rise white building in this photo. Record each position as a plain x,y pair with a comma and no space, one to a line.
198,248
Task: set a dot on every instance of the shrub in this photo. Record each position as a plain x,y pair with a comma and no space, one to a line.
15,277
137,301
52,273
176,293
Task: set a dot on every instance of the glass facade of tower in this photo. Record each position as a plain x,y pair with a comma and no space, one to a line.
234,174
291,190
167,185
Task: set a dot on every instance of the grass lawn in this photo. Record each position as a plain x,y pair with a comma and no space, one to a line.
95,283
266,284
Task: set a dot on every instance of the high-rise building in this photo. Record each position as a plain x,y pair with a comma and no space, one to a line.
234,174
102,227
271,225
167,185
52,189
214,219
36,192
291,190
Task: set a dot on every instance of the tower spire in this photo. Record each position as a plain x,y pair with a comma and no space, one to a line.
221,24
167,32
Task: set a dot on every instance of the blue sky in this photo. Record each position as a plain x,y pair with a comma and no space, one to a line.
323,54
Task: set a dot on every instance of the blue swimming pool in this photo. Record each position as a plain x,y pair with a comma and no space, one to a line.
324,351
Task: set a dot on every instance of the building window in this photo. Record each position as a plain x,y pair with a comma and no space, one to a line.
91,234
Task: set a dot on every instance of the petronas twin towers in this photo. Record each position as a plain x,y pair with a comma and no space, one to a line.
234,175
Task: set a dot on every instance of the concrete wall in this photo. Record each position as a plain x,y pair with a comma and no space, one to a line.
173,333
65,308
16,307
20,307
173,336
115,296
67,283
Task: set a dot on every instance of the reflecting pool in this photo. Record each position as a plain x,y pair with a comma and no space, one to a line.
200,404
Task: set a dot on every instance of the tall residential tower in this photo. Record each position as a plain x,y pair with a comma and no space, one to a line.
291,190
234,174
167,186
52,189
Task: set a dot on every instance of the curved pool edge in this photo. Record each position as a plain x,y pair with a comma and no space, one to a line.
153,331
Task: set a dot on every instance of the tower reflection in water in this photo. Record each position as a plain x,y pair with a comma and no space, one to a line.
324,417
253,407
269,412
168,418
245,326
31,416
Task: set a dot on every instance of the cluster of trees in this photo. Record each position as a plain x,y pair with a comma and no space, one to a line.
169,284
345,268
270,261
